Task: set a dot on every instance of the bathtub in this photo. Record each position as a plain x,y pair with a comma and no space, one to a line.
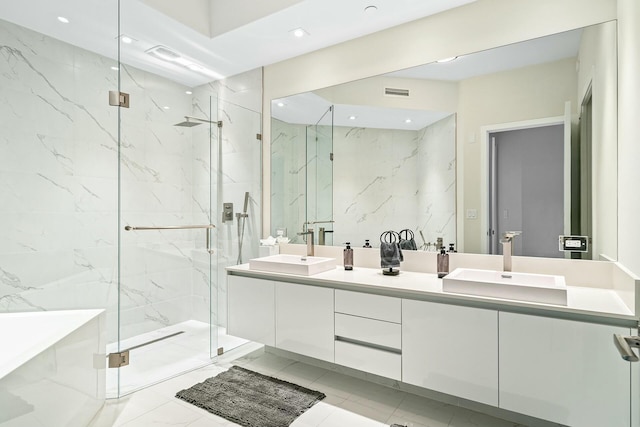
52,367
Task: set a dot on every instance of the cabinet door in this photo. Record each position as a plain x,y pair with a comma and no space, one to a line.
451,349
563,371
251,309
304,320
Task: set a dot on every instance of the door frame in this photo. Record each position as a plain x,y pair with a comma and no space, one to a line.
485,170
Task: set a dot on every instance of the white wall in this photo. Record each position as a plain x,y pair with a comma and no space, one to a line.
628,140
597,62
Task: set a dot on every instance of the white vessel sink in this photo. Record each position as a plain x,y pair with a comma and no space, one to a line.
293,264
529,287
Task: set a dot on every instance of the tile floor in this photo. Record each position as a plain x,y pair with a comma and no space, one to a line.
350,402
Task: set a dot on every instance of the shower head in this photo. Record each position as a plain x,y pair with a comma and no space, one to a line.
192,121
187,123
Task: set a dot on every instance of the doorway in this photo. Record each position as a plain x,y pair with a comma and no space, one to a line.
527,188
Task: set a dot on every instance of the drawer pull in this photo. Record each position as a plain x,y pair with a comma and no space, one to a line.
369,345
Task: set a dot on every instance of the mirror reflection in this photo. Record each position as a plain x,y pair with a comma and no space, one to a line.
438,149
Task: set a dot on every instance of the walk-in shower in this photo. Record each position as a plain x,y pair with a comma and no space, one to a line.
77,170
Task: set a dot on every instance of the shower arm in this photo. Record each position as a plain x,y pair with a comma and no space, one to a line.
218,123
206,227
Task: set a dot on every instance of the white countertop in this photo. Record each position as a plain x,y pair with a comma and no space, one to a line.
581,301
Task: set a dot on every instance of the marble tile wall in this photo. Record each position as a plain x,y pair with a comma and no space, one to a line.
288,178
59,184
381,180
58,171
437,181
236,169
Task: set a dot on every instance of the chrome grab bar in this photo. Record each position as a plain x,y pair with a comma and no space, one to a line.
206,227
169,227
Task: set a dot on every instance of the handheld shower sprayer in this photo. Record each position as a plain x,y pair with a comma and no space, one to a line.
242,219
246,202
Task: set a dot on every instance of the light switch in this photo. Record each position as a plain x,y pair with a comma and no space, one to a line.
472,214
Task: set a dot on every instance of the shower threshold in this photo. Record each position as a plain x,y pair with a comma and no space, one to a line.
121,358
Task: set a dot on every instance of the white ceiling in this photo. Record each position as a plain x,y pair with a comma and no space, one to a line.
266,40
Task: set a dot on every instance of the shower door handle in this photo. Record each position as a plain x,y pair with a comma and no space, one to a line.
207,228
624,346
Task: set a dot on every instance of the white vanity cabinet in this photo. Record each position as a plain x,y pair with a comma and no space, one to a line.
368,333
451,349
563,371
251,309
304,320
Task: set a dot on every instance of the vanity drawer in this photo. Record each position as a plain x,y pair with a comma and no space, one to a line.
379,362
368,305
376,332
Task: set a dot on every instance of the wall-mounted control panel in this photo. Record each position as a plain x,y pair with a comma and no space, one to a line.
573,243
227,212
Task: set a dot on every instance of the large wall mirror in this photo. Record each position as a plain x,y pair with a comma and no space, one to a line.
521,137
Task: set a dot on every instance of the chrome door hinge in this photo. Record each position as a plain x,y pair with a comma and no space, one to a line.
118,99
259,136
220,351
117,360
331,156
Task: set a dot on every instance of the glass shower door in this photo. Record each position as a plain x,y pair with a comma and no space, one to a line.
320,178
167,267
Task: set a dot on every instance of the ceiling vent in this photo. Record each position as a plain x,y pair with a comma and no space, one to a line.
388,91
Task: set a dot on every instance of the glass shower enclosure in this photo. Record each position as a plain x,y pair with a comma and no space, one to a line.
112,179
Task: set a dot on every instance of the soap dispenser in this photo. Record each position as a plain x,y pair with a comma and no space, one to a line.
443,263
348,257
367,244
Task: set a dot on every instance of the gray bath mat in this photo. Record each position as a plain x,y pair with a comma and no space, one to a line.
251,399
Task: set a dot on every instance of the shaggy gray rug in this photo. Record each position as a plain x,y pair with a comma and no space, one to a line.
251,399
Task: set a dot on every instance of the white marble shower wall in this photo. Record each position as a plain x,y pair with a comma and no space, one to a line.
288,178
394,179
381,179
437,181
236,166
157,163
58,175
376,188
320,179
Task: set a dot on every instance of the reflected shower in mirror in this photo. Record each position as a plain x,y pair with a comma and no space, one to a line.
389,173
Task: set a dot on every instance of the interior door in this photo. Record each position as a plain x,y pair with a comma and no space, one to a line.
527,178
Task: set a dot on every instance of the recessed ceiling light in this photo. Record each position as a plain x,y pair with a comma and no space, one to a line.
126,39
299,32
165,107
280,104
446,59
195,67
188,92
408,121
63,19
352,117
370,9
165,54
114,68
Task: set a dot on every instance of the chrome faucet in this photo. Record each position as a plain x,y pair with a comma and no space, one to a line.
309,234
507,248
